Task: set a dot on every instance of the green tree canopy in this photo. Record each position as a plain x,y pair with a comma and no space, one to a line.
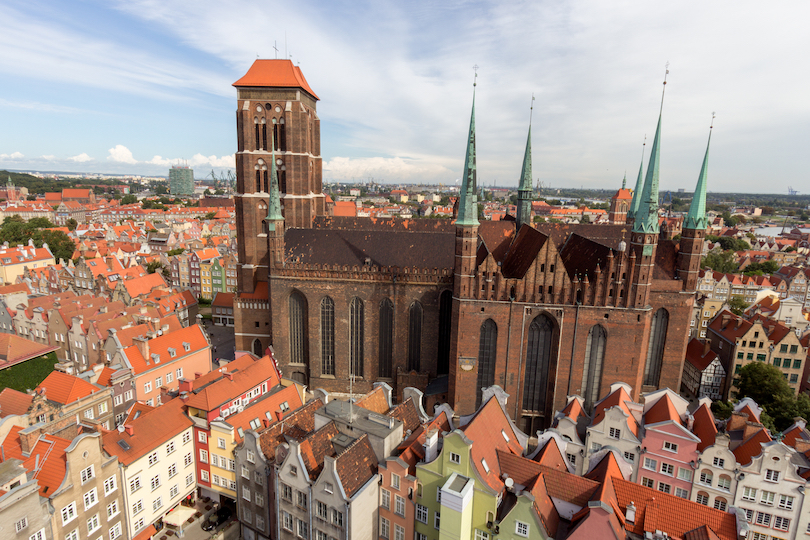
737,304
129,199
720,262
15,230
71,224
209,215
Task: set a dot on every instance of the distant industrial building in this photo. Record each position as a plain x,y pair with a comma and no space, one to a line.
181,180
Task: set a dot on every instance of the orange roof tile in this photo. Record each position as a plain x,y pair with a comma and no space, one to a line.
374,401
193,335
560,484
15,349
14,402
227,388
751,447
269,404
617,398
663,411
63,388
144,284
275,73
550,456
356,465
704,427
295,425
46,460
149,430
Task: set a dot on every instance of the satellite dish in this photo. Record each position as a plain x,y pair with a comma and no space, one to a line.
509,483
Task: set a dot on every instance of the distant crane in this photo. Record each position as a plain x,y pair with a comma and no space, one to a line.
792,191
667,199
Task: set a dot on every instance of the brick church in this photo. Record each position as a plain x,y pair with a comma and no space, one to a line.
543,310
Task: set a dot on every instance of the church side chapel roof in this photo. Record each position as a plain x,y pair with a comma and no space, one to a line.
581,255
523,252
382,247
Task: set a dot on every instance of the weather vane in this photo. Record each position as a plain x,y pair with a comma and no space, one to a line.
712,124
475,78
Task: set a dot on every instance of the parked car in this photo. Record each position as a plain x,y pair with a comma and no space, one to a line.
217,518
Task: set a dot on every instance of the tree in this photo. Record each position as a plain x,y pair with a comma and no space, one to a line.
129,199
153,266
209,215
174,252
585,218
40,223
720,262
729,220
763,383
71,224
737,304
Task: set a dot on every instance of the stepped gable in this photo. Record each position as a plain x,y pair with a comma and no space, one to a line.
382,248
523,252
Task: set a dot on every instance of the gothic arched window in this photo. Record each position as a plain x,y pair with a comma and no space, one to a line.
445,326
414,336
487,349
538,361
257,347
386,359
327,336
592,368
356,336
299,341
655,351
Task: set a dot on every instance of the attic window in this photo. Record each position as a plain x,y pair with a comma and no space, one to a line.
172,352
484,465
505,436
186,346
155,358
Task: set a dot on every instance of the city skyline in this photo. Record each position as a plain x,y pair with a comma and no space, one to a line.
139,86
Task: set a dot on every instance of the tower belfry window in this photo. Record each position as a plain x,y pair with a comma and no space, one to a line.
256,129
264,133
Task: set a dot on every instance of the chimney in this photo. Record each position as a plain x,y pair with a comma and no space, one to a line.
143,346
279,416
630,513
197,374
690,422
228,375
431,445
130,430
185,385
707,346
726,318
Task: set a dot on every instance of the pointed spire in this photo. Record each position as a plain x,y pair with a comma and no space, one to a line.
696,218
524,209
274,204
631,214
468,199
646,218
624,181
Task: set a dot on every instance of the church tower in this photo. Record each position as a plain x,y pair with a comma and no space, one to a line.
274,222
644,240
277,129
620,205
467,220
694,228
524,205
634,204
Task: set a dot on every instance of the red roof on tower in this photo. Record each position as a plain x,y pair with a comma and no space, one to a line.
275,73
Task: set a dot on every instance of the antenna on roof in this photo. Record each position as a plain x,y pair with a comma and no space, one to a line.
275,48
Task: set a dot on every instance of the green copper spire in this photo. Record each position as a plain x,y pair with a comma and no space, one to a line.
631,214
646,218
524,207
274,205
624,180
468,199
696,218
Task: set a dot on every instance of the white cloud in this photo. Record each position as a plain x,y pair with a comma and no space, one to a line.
48,157
81,158
385,169
213,161
12,156
121,154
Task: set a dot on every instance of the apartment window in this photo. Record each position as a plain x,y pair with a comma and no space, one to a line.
385,499
650,464
670,447
771,475
720,504
399,532
179,373
202,437
572,459
682,493
251,456
421,514
781,523
303,529
157,504
187,460
395,479
204,456
246,493
301,501
147,387
137,507
153,458
174,491
169,378
102,408
21,524
684,474
90,499
724,483
437,520
287,521
155,482
668,469
763,519
87,474
647,482
767,497
664,488
479,535
615,433
385,527
110,485
137,526
718,462
521,529
786,502
706,478
128,395
204,476
115,531
286,492
259,480
172,470
703,498
170,448
400,506
135,484
749,494
220,442
112,509
73,535
189,479
455,458
337,518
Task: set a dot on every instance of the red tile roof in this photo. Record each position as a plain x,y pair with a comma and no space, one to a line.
704,427
46,461
63,388
751,447
550,456
375,401
15,349
295,425
270,404
160,345
663,411
14,402
275,73
618,398
150,429
560,484
227,388
144,284
356,465
486,430
698,355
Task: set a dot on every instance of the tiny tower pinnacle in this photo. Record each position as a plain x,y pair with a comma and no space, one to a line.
631,214
274,219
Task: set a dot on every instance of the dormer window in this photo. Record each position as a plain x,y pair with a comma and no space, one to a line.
172,352
186,346
155,358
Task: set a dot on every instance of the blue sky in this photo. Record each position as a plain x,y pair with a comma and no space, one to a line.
137,85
